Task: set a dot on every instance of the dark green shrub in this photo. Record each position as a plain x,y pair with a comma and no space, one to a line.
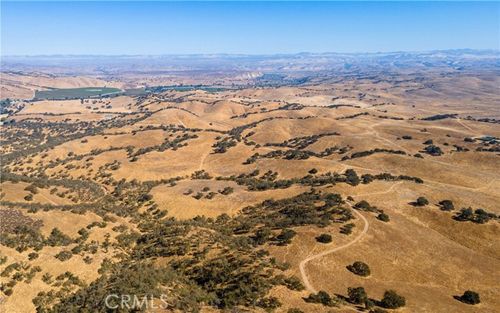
32,256
446,205
347,229
357,295
321,297
470,297
269,303
392,300
285,237
58,238
352,177
226,191
64,255
359,268
324,238
383,217
433,150
293,283
421,201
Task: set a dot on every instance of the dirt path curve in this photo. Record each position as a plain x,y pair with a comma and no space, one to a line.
303,263
202,161
459,120
47,198
181,122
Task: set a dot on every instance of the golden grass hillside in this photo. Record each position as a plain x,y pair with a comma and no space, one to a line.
219,199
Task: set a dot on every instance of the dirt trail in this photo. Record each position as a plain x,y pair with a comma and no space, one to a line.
181,122
202,161
466,126
303,263
47,198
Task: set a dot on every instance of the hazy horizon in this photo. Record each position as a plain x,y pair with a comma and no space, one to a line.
253,54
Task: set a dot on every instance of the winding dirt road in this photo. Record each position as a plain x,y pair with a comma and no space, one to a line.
303,263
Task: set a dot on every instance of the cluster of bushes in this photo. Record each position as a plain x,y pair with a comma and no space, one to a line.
22,238
323,298
265,234
294,154
352,116
483,119
286,107
368,178
17,272
495,148
201,174
370,152
301,142
85,190
439,117
58,238
222,145
347,228
396,118
141,279
390,300
479,216
226,191
363,205
176,143
460,148
64,255
309,208
433,150
266,181
234,136
200,194
255,183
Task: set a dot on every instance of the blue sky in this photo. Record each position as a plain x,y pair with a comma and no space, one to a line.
33,28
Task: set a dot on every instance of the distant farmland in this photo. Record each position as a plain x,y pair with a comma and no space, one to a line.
75,93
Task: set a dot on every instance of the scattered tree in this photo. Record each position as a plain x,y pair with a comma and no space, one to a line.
421,201
470,297
324,238
357,295
392,300
446,205
383,217
359,268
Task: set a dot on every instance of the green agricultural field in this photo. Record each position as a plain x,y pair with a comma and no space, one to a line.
75,93
185,88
